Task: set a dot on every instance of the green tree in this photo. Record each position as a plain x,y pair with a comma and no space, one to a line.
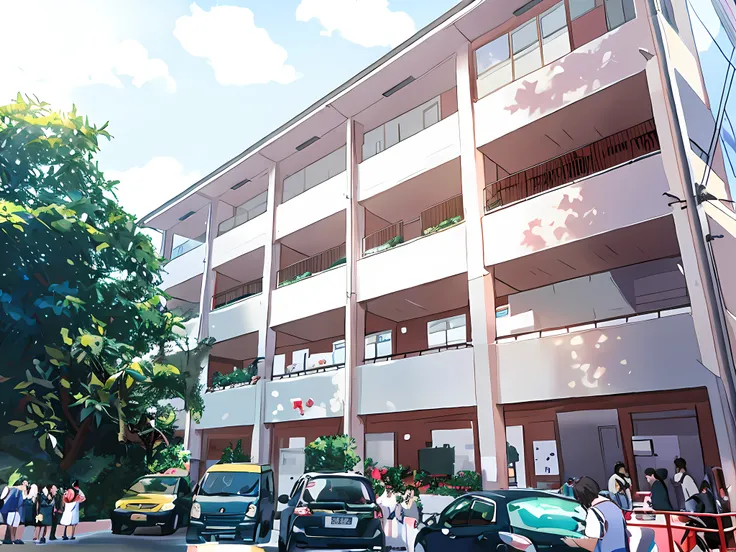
89,349
331,453
233,454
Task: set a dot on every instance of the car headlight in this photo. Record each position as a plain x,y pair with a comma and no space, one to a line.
196,512
251,512
118,504
168,506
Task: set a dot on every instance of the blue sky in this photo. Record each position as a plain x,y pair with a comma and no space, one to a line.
187,85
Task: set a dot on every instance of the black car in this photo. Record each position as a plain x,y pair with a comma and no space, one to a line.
331,511
503,521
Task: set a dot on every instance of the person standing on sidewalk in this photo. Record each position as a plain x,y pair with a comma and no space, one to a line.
58,506
45,514
11,512
73,497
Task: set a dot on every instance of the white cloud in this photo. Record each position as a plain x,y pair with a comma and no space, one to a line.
142,189
364,22
62,48
239,52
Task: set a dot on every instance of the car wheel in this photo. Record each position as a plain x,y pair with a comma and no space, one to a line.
419,547
171,527
282,546
116,529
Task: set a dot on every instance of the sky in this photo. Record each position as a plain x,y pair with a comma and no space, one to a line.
187,85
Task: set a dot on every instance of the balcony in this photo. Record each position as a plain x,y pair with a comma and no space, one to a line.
651,352
610,58
240,311
623,195
237,293
229,407
187,246
311,266
312,394
240,239
415,380
316,203
184,267
434,146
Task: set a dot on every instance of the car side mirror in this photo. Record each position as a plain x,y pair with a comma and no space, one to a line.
284,499
432,520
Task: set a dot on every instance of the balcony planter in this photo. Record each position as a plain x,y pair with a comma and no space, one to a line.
238,377
393,242
447,223
295,280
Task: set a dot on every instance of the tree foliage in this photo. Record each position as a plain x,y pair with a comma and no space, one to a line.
89,348
331,453
233,454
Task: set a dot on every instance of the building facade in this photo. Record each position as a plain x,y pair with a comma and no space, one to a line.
496,238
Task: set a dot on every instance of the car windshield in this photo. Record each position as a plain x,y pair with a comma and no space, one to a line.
230,484
547,514
337,489
153,485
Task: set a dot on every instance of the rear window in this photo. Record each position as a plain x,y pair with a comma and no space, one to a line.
230,484
154,485
337,489
547,514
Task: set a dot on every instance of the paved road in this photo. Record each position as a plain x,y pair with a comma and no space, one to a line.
107,542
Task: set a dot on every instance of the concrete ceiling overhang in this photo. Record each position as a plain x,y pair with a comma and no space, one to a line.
428,299
326,325
238,348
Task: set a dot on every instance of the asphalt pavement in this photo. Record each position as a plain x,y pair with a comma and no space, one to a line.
139,542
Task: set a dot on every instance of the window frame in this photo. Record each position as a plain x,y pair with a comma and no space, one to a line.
443,516
377,335
486,501
447,329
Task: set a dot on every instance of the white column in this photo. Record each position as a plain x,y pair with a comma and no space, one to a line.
354,312
260,448
491,429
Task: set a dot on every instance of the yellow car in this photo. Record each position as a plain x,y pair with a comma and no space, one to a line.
154,501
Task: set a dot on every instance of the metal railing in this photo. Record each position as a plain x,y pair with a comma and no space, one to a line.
307,371
187,246
312,265
384,235
441,212
421,352
677,531
613,150
604,323
237,293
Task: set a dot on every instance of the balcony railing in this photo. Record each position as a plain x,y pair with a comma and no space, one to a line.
187,246
616,149
438,217
422,352
605,323
237,293
312,265
237,220
307,371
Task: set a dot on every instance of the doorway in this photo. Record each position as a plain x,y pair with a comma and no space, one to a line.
291,467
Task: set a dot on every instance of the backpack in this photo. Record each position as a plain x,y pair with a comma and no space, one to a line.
680,500
677,500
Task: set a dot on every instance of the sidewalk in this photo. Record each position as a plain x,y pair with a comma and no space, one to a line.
84,528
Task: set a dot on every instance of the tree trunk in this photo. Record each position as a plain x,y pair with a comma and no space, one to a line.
72,453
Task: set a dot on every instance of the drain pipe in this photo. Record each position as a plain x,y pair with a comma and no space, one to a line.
715,311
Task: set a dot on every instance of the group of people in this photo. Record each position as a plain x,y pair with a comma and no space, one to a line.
23,505
607,511
400,519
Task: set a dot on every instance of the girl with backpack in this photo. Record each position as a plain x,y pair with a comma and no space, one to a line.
619,487
687,489
605,526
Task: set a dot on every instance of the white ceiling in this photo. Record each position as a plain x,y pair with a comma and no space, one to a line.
244,268
189,290
238,348
315,238
439,296
314,328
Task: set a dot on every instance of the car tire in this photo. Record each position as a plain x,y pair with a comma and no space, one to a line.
282,546
419,547
171,527
116,529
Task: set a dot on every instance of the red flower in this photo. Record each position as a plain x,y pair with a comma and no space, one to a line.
384,471
310,403
376,474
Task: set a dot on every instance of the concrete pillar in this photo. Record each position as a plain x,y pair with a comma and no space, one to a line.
260,448
671,127
354,312
491,429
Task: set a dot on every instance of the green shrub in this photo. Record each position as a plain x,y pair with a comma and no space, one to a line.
238,376
442,225
331,453
338,262
234,454
294,280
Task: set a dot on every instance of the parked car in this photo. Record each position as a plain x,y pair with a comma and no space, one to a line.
506,520
233,503
153,501
331,511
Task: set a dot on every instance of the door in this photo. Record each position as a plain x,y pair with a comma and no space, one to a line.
610,447
291,466
467,526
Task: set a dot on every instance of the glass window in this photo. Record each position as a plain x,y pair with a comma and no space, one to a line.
400,128
547,514
457,513
482,513
580,7
378,345
230,484
380,448
493,65
316,173
337,489
373,142
338,352
293,185
555,36
153,485
525,46
448,331
619,12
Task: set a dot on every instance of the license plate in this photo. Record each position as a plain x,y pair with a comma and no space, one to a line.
346,522
138,517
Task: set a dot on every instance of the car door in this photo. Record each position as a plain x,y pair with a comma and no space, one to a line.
288,512
183,501
546,520
267,499
451,531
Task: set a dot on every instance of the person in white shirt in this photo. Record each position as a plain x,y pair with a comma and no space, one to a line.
689,487
619,487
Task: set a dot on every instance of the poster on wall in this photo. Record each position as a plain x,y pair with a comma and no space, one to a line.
545,458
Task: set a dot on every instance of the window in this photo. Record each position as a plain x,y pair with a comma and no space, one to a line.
380,448
493,63
525,47
153,485
312,175
337,489
400,128
230,484
482,513
448,331
549,515
619,12
580,7
555,37
378,345
338,352
700,152
457,513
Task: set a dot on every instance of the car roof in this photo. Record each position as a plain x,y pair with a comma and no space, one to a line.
515,494
334,474
239,467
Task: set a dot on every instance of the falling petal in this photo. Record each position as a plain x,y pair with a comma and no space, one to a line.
602,338
571,385
624,362
599,372
577,340
574,355
585,367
